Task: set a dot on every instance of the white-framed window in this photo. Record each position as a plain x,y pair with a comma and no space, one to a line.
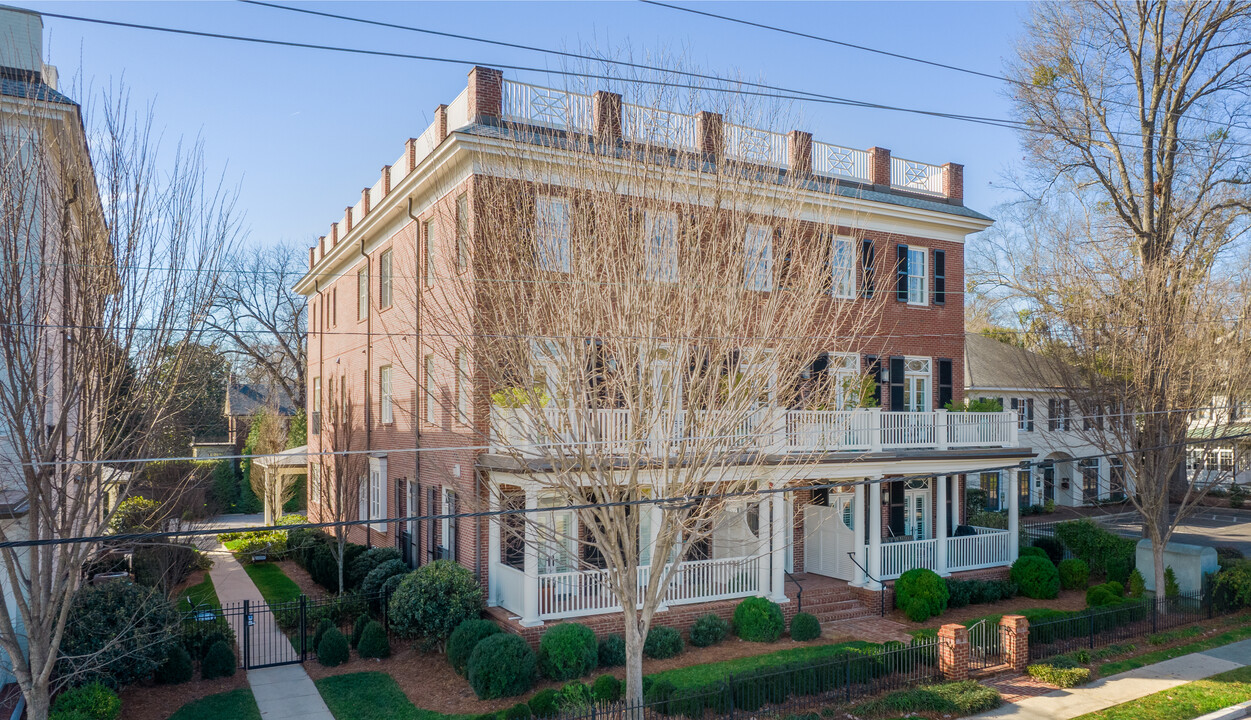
918,281
429,264
842,267
1090,478
316,394
362,293
385,278
429,373
758,258
845,372
378,492
557,536
314,482
660,235
916,384
552,233
334,411
385,395
449,523
462,384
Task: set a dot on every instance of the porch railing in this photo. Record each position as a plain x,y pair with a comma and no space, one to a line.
988,548
900,557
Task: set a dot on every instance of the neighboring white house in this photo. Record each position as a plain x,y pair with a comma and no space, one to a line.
1217,464
1048,423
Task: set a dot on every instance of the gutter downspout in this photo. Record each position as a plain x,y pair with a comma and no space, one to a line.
417,369
369,366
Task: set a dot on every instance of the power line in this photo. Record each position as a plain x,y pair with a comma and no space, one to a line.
676,502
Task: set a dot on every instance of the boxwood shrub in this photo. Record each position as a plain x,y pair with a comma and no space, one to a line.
758,620
219,661
366,562
501,665
1074,574
607,689
962,698
332,651
430,602
805,627
374,641
921,594
612,651
662,643
94,701
465,638
709,630
568,651
177,667
1054,548
543,704
1036,577
1033,551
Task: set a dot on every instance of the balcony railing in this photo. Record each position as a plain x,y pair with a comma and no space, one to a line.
771,430
988,548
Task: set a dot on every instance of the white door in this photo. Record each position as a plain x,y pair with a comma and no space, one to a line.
829,536
917,514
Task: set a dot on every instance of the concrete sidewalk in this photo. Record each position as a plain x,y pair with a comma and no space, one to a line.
1127,686
284,692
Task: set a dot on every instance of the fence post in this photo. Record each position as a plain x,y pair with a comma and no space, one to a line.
247,632
953,652
303,627
1091,617
1014,636
1208,599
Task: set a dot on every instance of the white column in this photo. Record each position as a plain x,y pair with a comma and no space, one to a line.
764,549
1014,514
858,520
940,538
530,615
780,527
493,545
875,533
957,507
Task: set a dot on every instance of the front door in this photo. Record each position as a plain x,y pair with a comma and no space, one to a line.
917,513
1049,481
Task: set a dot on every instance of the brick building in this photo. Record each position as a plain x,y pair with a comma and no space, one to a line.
372,277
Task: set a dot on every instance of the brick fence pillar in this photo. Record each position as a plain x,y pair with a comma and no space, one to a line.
1014,634
953,652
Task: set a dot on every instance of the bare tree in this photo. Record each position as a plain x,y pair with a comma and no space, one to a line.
1137,145
642,319
272,486
260,320
338,478
108,270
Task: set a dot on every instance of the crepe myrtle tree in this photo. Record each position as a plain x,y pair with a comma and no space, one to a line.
337,478
110,256
686,293
1133,227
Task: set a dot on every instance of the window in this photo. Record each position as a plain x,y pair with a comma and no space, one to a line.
384,394
917,281
377,492
385,279
1024,408
334,414
429,272
845,368
916,384
1090,478
314,482
1058,415
462,384
1023,479
1093,420
843,267
334,307
316,394
449,524
1116,479
661,249
557,534
430,389
462,233
552,232
362,293
990,485
758,258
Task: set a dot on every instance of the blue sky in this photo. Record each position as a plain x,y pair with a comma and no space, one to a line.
302,131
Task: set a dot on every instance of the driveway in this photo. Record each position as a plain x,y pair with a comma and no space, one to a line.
1213,527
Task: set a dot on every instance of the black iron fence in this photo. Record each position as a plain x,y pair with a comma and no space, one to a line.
1103,626
986,644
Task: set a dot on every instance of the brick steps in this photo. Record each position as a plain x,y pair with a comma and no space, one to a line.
835,609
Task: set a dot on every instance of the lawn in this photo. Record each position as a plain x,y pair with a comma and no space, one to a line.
1184,701
372,696
700,675
273,583
1225,638
235,705
202,593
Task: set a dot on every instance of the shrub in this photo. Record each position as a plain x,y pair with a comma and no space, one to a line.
607,689
709,630
464,639
959,593
574,697
1033,552
393,582
322,627
805,627
94,701
1119,568
1054,548
975,499
543,704
371,586
219,661
568,651
1036,577
989,519
501,665
662,643
1102,550
177,667
611,651
1231,589
116,633
430,602
1049,506
957,698
332,650
520,711
921,594
199,636
1060,674
354,573
758,620
374,642
1074,574
1171,588
1108,593
358,628
1136,585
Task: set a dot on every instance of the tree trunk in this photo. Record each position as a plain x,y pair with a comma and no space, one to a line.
634,664
38,701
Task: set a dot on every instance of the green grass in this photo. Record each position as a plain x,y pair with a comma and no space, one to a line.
1184,701
202,593
1225,638
273,583
234,705
960,698
700,675
372,696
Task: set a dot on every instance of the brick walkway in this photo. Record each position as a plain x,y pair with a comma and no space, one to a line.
1015,687
873,629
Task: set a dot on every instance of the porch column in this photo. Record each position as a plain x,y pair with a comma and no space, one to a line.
875,533
1014,514
765,554
493,546
530,614
957,507
940,541
857,545
779,527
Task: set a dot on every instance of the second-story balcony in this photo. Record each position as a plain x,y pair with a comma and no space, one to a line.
556,430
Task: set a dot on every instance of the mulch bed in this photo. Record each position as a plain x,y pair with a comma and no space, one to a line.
1068,600
158,702
302,578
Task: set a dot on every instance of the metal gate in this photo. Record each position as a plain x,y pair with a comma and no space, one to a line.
259,634
985,645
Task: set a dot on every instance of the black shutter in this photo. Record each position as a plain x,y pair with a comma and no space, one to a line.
896,384
432,541
940,277
868,267
951,531
453,525
944,382
901,273
873,366
896,507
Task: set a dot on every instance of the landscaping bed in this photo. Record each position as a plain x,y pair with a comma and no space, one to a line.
149,701
231,705
1068,600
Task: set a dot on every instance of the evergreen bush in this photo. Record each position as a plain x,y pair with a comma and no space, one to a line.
374,642
662,643
611,651
921,594
322,627
430,602
520,711
1171,589
358,628
1054,549
757,619
607,689
116,633
333,649
94,701
1136,585
501,665
543,704
219,661
464,639
805,627
177,667
1033,552
1074,574
709,630
1036,577
371,586
568,651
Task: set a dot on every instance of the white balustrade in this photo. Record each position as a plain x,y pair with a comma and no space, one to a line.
706,580
900,557
535,105
908,429
981,428
988,548
653,126
756,146
916,176
836,161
